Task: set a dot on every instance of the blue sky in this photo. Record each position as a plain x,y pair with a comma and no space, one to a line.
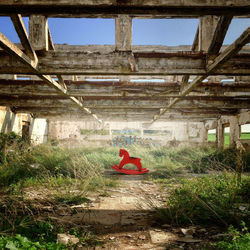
84,31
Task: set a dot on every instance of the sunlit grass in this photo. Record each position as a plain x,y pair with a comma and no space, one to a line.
214,199
243,136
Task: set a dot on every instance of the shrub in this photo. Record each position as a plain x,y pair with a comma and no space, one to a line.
211,199
236,239
7,141
21,242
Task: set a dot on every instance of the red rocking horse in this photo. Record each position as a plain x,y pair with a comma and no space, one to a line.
129,160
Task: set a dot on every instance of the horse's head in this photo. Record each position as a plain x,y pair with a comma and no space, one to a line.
122,152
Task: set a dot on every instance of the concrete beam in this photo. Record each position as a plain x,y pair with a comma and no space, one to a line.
219,60
32,65
99,88
123,33
112,63
108,8
126,116
13,50
135,48
129,111
195,47
207,28
93,102
218,36
22,33
51,44
39,32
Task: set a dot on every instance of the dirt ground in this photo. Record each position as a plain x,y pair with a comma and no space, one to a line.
123,218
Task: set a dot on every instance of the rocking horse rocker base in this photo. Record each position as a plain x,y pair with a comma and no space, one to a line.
129,160
129,171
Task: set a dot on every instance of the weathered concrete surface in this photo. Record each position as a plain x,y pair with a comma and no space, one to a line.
119,63
114,88
109,8
234,122
207,27
11,122
68,130
123,33
234,130
38,32
124,217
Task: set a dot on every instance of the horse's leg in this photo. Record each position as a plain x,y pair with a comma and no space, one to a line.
122,163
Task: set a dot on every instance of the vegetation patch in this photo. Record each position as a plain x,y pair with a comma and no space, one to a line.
20,242
236,239
243,136
37,182
213,199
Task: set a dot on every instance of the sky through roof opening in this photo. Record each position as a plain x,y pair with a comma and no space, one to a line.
8,30
82,31
170,32
236,28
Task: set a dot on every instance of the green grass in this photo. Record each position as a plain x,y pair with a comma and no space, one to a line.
83,168
237,239
208,200
244,136
64,177
212,137
20,242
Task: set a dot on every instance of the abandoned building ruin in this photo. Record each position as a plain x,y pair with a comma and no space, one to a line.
51,91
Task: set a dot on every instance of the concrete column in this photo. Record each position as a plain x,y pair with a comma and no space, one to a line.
38,32
124,78
207,27
220,135
31,127
204,134
187,131
141,132
110,132
234,130
123,33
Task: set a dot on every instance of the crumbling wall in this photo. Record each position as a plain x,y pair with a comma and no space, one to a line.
11,122
233,122
18,123
39,131
75,131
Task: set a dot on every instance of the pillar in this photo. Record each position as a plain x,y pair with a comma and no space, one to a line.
220,135
187,131
207,27
234,130
141,132
38,32
123,33
204,133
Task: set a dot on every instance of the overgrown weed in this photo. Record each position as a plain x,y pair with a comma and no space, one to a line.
64,177
215,199
236,239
